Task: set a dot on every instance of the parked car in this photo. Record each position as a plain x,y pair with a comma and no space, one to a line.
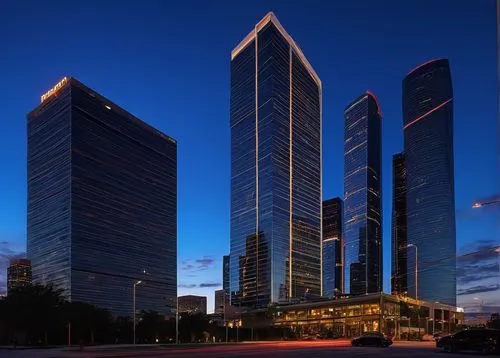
481,340
371,339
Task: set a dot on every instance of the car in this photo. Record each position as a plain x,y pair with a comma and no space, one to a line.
371,339
481,340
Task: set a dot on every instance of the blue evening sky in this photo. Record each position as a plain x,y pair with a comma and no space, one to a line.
168,63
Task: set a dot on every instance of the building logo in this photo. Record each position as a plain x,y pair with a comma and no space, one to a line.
54,89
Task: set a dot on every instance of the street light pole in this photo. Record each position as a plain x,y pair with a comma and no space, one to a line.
177,322
133,290
225,323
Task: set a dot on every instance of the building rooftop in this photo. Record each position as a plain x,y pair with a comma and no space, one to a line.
270,17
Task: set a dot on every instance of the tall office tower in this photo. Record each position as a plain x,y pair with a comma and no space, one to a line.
333,248
225,274
275,169
363,196
430,198
399,268
102,202
18,274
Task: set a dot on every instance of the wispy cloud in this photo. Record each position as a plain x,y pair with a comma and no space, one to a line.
201,285
205,263
182,285
202,264
209,285
478,289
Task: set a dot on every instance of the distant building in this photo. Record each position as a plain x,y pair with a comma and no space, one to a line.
225,273
363,196
399,268
333,268
430,183
220,296
275,121
192,304
102,202
18,274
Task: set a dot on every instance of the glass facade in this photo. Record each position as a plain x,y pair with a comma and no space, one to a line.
102,203
399,250
225,273
430,199
333,246
362,196
275,170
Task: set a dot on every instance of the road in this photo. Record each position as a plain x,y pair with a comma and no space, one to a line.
314,349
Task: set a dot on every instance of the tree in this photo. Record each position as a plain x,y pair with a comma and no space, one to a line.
153,326
33,314
89,324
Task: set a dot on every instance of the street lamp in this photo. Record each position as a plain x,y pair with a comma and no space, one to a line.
136,283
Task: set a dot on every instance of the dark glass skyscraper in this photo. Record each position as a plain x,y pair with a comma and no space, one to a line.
225,273
430,205
363,196
399,268
333,247
102,202
275,169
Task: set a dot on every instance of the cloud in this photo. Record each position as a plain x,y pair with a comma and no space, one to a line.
201,285
200,264
478,250
187,285
205,262
474,273
209,285
478,289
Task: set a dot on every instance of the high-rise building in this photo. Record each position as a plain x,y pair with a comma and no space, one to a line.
102,202
430,198
225,273
275,169
333,247
363,196
220,295
399,268
18,274
193,304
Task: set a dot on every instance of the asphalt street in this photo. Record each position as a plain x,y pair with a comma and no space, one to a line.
316,349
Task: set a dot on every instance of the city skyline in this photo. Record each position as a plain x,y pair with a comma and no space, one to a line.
472,226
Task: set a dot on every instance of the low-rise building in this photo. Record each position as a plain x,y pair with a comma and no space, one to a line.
396,316
18,274
192,304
